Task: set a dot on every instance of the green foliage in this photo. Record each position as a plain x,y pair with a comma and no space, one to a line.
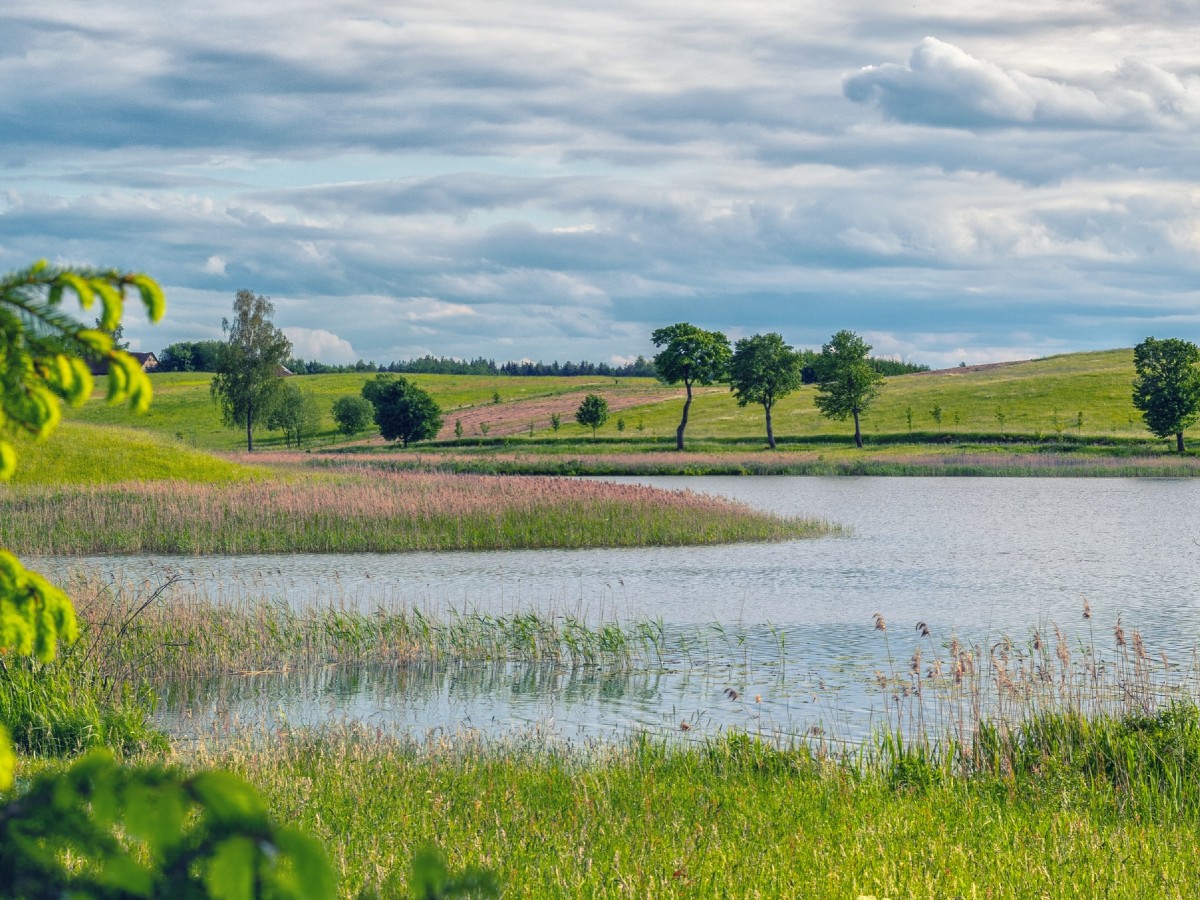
107,831
1167,386
592,412
431,879
403,411
556,421
42,350
34,614
190,356
352,414
690,355
458,429
846,381
247,383
295,413
764,369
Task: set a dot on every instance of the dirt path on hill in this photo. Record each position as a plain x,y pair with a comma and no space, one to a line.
514,417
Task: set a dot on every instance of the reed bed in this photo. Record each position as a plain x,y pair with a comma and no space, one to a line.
133,635
376,511
1051,461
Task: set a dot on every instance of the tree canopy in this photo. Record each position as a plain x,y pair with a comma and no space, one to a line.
352,414
692,356
403,411
592,412
763,370
247,382
1167,386
846,380
295,412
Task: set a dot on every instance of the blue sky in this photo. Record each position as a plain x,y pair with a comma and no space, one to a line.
958,181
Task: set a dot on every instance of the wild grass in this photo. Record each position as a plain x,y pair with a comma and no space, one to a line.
733,817
377,512
1010,460
137,636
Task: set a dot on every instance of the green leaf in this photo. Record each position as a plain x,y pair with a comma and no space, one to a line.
229,800
230,874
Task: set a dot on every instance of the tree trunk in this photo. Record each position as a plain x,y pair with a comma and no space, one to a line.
683,422
857,432
1179,441
770,431
249,423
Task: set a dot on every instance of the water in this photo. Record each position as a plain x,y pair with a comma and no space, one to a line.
787,626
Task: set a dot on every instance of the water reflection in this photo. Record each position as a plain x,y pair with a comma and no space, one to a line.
976,558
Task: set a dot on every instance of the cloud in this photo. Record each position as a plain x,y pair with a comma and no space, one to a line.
319,344
943,85
215,265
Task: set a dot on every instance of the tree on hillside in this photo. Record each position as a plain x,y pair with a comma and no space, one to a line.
592,412
763,370
1167,386
846,381
352,414
403,411
295,413
247,381
690,355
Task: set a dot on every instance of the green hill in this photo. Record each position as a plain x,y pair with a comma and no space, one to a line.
79,453
1078,394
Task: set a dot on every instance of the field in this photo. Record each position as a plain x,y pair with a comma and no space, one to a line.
1081,398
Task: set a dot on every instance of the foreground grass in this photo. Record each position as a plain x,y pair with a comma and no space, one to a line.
730,818
380,512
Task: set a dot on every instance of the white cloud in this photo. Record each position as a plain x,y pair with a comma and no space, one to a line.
215,265
943,85
320,344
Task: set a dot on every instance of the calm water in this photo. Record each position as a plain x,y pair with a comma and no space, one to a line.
789,623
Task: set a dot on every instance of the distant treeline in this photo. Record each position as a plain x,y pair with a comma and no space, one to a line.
202,356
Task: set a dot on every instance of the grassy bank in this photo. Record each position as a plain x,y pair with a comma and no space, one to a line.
379,512
1014,459
738,818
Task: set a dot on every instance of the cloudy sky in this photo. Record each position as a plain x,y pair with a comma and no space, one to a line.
958,180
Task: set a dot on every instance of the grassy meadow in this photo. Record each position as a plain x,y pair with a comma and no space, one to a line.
1078,404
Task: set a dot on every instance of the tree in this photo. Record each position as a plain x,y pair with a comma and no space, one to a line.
592,412
247,381
1167,386
690,355
403,411
295,413
846,380
352,414
763,370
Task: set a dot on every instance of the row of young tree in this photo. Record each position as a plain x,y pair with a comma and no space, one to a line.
763,369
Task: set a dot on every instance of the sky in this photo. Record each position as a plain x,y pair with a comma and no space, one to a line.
956,180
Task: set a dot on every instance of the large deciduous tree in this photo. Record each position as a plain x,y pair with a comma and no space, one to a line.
692,356
247,380
403,411
846,380
763,370
1167,386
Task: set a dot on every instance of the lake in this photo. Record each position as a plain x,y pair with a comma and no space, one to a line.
790,624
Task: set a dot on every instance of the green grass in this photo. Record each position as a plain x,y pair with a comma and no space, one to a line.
79,453
183,408
733,817
1039,400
